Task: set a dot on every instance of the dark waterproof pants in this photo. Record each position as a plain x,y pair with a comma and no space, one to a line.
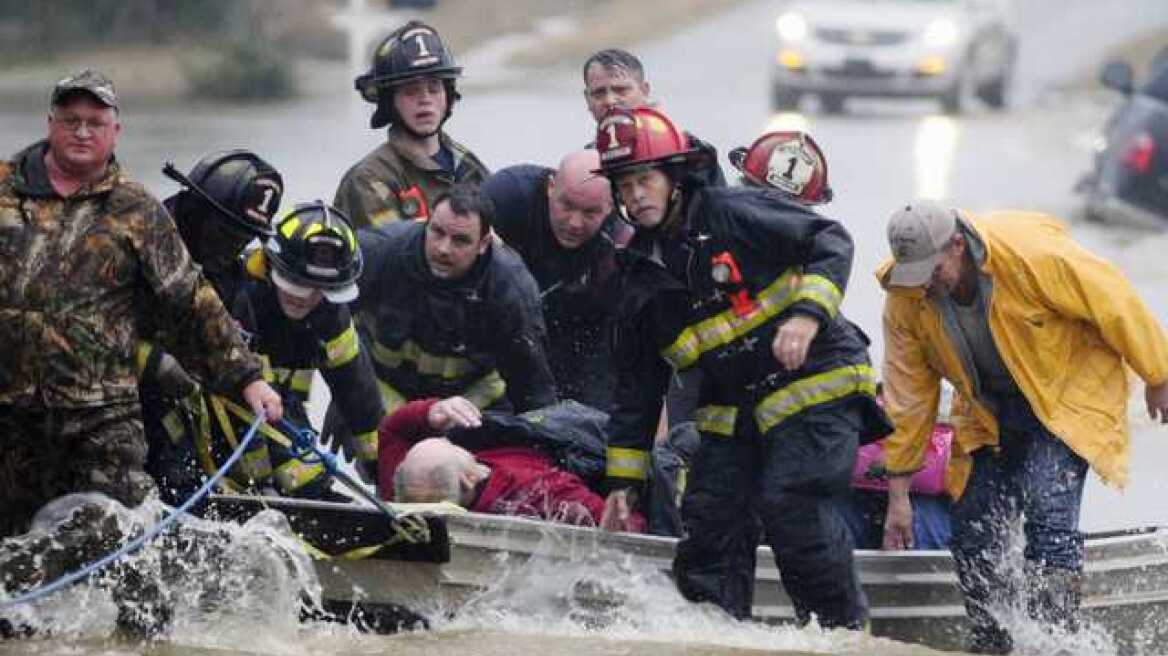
48,453
787,483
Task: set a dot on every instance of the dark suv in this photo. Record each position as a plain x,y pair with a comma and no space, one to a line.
1130,181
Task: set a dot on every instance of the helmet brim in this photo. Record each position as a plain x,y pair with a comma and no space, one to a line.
342,295
693,159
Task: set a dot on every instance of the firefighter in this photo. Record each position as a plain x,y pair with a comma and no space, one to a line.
452,313
294,306
789,161
744,284
226,202
413,83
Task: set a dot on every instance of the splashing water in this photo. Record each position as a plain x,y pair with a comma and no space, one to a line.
222,583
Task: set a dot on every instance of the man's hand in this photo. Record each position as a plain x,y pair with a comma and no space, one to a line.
454,412
898,522
617,510
259,395
793,339
1157,399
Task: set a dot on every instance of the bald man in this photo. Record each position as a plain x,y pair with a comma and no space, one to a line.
562,223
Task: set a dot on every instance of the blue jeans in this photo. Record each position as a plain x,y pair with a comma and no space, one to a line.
1032,473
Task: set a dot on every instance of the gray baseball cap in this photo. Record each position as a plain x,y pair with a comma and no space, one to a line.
89,80
917,234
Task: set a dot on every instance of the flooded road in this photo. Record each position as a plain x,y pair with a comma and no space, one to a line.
714,80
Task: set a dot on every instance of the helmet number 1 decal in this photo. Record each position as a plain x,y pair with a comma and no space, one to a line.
612,140
263,206
421,41
790,167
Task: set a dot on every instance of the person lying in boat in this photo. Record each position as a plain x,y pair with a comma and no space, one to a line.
503,476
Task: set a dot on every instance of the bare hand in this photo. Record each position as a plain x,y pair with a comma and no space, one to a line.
260,396
1157,399
617,510
454,412
898,521
793,339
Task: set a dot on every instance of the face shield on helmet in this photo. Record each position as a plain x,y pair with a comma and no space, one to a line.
788,161
315,248
413,51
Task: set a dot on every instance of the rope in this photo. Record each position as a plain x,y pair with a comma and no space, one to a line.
407,526
138,543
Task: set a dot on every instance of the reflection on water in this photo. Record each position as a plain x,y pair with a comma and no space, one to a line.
936,145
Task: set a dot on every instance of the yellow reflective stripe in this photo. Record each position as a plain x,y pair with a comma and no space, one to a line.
290,225
814,390
425,363
716,419
627,463
312,230
486,390
367,445
391,398
295,474
821,290
142,355
297,380
266,367
727,326
173,425
386,215
256,463
342,348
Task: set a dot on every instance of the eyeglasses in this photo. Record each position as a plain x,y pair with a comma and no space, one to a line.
74,123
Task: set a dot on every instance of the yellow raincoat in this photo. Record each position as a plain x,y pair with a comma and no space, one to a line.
1065,322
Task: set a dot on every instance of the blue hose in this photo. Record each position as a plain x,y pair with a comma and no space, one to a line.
138,543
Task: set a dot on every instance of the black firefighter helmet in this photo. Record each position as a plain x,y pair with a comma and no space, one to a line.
237,186
315,247
412,51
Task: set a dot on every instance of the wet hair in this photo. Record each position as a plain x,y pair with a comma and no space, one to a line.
442,479
611,58
466,199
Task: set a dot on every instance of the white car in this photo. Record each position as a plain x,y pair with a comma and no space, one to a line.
952,50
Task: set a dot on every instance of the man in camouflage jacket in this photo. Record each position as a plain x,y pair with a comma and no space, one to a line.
81,248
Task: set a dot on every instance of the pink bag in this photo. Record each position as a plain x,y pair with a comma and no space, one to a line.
869,473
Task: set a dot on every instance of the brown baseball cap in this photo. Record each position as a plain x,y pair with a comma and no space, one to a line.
88,80
918,233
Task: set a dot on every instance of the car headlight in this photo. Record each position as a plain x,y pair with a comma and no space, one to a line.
940,33
791,26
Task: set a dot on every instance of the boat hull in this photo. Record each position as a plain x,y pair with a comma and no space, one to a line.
912,595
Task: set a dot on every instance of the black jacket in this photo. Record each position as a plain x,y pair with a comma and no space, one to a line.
325,341
576,285
675,315
482,336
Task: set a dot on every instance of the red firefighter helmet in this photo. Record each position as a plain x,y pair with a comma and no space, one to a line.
789,161
641,136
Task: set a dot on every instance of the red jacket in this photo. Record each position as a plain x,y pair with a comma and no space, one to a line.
523,480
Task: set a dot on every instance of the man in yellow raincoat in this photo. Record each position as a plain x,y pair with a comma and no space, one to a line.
1035,332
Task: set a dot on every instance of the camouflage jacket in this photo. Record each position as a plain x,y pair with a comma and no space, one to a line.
391,183
72,275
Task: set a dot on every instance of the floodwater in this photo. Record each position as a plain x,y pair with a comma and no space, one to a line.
713,79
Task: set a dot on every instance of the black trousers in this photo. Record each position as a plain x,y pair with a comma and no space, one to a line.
786,485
